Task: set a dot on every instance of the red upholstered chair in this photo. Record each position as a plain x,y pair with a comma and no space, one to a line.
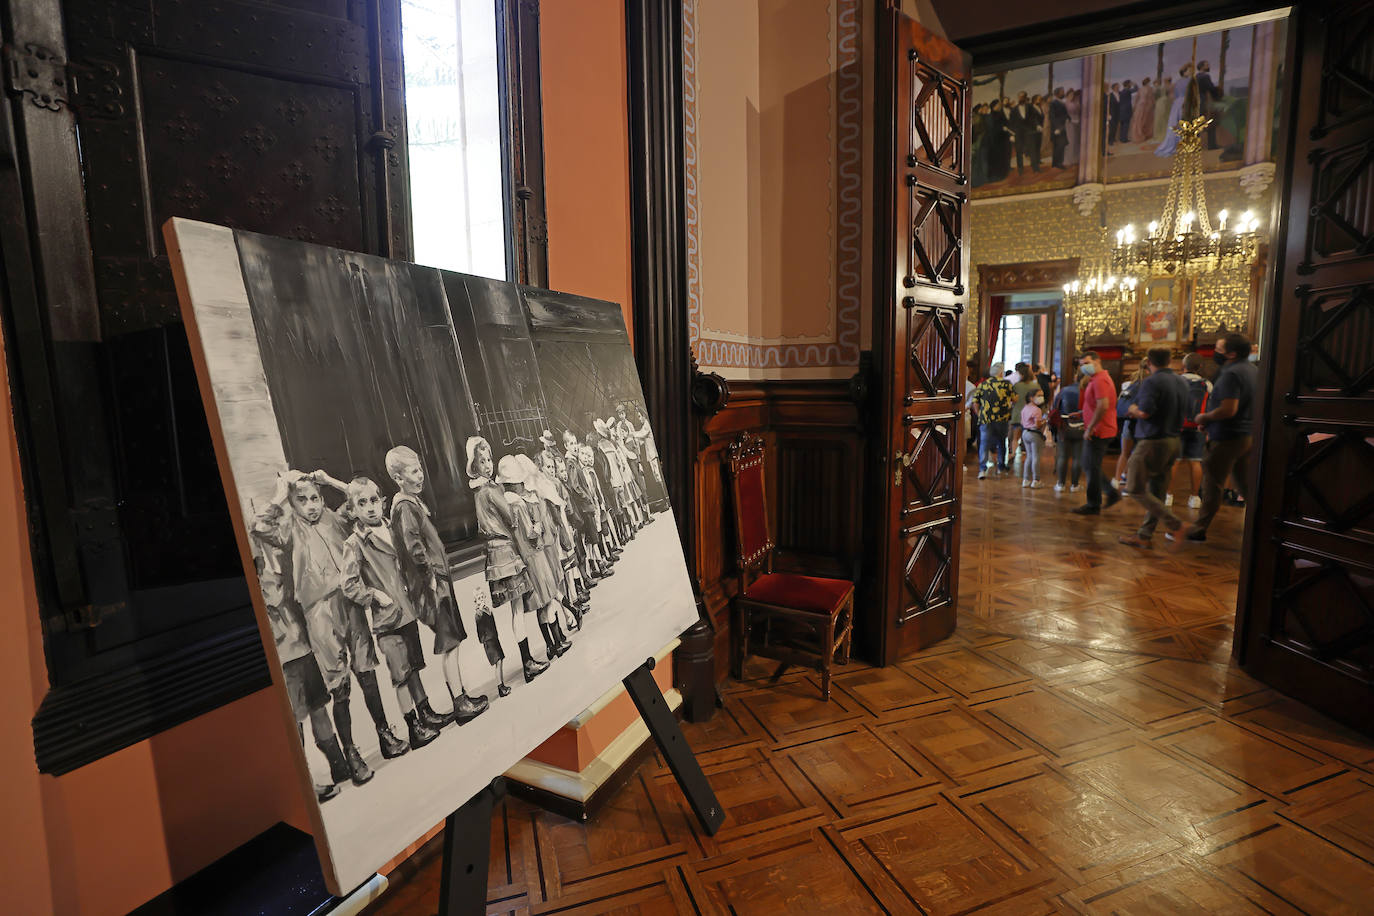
794,619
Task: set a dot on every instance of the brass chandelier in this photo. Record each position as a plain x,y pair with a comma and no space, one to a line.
1099,300
1183,241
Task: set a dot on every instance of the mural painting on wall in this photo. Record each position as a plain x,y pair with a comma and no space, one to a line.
437,476
1149,89
1027,128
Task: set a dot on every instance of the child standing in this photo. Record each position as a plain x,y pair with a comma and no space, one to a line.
312,535
1033,438
502,529
300,672
548,561
372,580
511,476
424,569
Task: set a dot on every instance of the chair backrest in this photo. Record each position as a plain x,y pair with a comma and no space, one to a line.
745,456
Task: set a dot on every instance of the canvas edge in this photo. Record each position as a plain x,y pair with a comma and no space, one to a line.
305,782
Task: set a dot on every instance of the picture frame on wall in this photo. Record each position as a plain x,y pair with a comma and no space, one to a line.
1163,311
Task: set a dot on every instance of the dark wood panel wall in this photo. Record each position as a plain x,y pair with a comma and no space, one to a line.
813,436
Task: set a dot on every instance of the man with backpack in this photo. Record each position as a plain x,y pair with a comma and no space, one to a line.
1067,420
1157,407
1229,422
1193,442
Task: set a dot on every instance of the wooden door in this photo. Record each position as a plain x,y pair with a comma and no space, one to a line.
1306,618
921,334
283,118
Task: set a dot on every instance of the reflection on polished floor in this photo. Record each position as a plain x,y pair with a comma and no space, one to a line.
1080,744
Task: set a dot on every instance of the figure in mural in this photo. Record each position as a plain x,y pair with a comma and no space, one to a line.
1127,110
1182,88
1163,96
1143,121
1209,98
1025,121
1113,114
1073,101
1060,126
978,135
999,138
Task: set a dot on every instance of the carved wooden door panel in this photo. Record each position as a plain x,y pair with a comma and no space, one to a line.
1306,618
924,400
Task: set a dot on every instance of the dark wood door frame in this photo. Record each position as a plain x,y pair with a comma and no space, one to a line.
1025,277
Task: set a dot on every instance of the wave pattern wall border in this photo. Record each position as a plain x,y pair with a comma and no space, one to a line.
849,216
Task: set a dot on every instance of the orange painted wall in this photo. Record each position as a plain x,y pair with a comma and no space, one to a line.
109,836
586,147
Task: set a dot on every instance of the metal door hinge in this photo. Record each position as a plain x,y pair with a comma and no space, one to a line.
100,548
39,73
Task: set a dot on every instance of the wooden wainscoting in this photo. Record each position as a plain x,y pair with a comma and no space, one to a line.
814,443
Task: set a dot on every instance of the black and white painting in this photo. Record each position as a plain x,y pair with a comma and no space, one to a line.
452,506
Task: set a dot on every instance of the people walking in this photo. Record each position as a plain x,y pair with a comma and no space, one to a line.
1098,399
1193,440
1033,437
993,401
1070,429
1161,398
1229,424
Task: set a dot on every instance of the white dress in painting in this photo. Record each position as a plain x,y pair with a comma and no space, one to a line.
1166,148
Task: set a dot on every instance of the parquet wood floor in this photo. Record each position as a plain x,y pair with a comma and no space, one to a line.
1079,745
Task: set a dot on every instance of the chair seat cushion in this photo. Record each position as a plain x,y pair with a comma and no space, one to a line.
802,593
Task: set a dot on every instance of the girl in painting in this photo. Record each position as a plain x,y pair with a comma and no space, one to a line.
1181,90
546,568
1163,93
1143,120
498,524
526,510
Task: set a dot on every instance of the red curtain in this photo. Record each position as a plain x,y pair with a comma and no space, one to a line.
996,306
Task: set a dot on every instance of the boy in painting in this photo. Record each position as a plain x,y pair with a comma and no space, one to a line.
312,535
372,580
609,548
490,639
499,525
300,672
548,562
424,570
589,511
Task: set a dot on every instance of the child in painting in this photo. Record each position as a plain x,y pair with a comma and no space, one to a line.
606,530
424,570
312,536
578,526
500,525
300,672
490,639
548,560
556,500
372,580
612,481
589,511
526,508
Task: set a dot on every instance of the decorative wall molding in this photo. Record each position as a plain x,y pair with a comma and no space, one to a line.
1086,197
1257,178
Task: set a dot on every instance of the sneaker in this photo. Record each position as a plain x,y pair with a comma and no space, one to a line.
1194,502
982,475
1075,488
1035,484
1025,483
1169,499
1087,510
1059,488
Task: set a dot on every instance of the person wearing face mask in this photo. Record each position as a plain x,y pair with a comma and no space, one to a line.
1160,400
1229,425
1033,438
1098,400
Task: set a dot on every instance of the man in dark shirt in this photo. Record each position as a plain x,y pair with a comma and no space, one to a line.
1157,409
1059,132
1228,421
1126,109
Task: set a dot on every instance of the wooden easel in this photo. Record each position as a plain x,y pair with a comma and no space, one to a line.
467,831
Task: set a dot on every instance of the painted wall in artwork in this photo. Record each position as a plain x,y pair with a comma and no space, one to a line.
775,158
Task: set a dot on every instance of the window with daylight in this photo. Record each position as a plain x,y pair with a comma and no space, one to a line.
454,101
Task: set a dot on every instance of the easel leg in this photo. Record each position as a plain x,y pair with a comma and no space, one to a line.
467,853
648,699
